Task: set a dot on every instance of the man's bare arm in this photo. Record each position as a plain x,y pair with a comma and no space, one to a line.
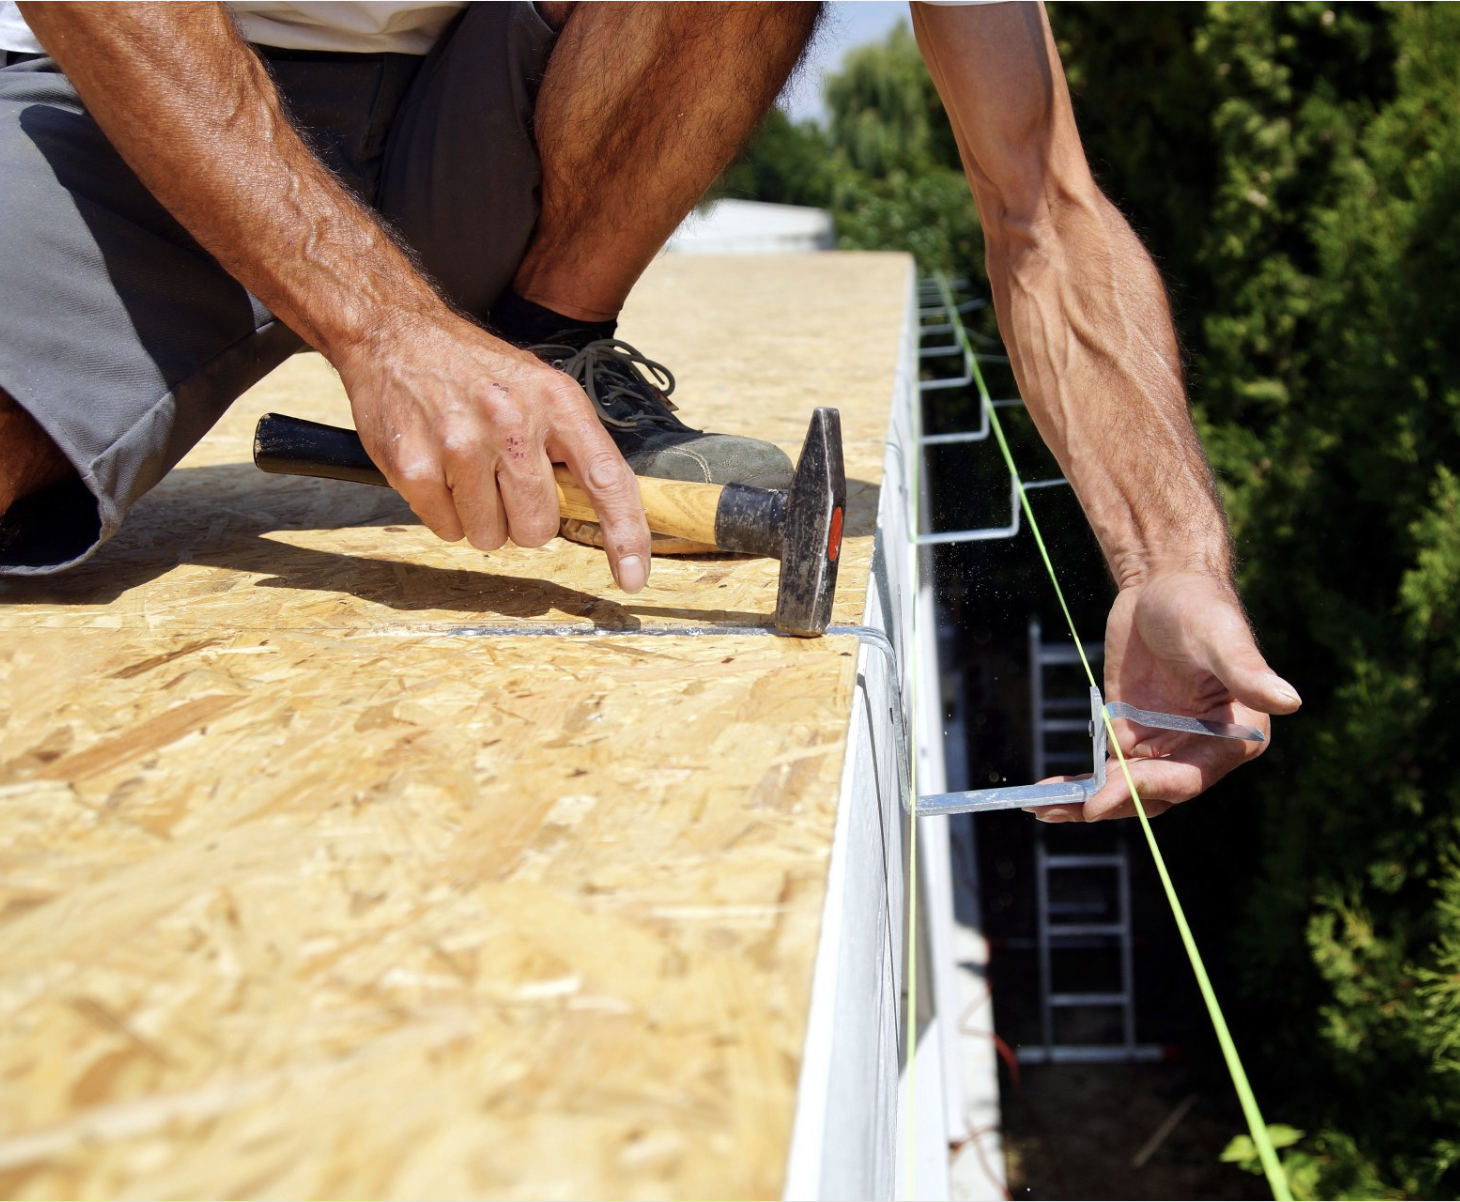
1089,333
465,426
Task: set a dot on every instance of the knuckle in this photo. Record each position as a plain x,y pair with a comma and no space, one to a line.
534,532
522,462
508,421
485,531
606,472
458,442
532,510
562,392
446,529
415,475
487,540
550,377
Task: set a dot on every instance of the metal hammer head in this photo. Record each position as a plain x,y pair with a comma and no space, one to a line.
811,548
801,526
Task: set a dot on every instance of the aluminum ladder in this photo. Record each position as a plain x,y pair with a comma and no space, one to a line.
1098,919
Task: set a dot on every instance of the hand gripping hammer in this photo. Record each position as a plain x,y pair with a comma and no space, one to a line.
801,525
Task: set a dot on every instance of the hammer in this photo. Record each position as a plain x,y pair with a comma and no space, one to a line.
801,525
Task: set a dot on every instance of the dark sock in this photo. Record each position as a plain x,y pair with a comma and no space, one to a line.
526,323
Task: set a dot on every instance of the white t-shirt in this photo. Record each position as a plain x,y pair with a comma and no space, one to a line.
364,28
398,26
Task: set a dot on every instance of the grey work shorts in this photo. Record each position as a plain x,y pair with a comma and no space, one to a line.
126,340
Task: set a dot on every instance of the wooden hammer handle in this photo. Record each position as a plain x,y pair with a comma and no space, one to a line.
674,507
293,446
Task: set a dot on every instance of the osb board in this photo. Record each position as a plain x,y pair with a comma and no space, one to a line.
303,895
754,343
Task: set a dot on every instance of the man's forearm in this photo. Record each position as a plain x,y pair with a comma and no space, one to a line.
463,425
194,113
1089,333
1079,302
1090,336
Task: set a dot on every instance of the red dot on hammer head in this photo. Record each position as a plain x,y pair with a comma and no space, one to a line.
834,538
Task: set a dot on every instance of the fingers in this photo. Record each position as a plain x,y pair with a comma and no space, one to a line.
1059,813
1160,782
1166,781
524,480
614,490
1188,616
467,429
451,484
1238,664
1180,643
416,475
473,486
1063,813
512,494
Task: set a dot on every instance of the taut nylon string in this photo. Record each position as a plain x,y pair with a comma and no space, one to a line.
1276,1178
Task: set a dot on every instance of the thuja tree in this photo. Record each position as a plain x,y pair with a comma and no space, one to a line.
886,166
1295,169
1298,168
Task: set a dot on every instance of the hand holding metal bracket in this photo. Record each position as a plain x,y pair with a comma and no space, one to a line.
1077,792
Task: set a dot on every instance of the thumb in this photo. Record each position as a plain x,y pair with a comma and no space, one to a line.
1234,659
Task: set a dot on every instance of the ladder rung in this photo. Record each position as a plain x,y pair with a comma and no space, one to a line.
1063,653
1076,907
1093,1053
1062,930
1083,861
1089,999
1077,943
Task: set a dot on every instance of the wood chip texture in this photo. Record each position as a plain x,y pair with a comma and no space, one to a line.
312,887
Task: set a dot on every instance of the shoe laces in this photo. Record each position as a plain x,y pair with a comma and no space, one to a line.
613,374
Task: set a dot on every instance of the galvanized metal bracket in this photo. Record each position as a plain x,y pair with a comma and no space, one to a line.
1077,792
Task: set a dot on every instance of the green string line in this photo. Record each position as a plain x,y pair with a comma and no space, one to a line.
1276,1177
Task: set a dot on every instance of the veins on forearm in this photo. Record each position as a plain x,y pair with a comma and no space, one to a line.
195,113
1094,349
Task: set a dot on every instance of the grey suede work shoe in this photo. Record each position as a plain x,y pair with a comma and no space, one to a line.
631,394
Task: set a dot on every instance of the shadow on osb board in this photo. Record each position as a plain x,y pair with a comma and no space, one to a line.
233,517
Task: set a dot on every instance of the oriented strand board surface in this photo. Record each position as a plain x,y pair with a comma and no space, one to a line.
305,892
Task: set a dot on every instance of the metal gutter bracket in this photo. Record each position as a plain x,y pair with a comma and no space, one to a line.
1077,792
